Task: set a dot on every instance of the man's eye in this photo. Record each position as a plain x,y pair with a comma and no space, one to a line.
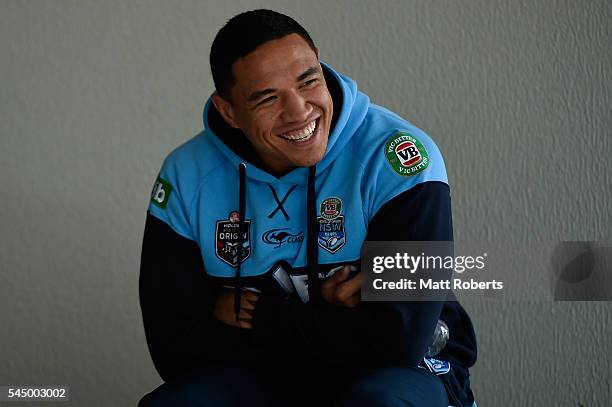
266,100
310,82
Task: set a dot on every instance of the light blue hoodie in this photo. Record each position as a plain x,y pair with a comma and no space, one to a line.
365,165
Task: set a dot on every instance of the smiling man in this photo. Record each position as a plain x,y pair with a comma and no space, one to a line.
287,118
250,281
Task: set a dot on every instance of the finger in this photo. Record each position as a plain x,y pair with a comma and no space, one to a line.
248,304
245,315
354,301
338,277
248,300
249,295
245,319
328,284
349,288
350,302
245,324
342,275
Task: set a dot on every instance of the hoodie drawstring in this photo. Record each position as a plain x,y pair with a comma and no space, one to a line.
312,250
280,203
241,232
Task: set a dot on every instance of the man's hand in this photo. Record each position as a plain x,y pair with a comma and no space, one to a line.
224,308
339,290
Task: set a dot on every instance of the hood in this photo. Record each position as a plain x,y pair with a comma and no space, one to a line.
350,108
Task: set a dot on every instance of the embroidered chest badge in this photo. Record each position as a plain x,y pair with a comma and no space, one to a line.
331,235
406,154
226,239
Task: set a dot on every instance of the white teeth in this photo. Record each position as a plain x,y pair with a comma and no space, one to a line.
302,134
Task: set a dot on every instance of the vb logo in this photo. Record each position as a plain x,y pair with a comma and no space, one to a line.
408,153
161,193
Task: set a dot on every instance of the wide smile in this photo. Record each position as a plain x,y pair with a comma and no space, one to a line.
304,134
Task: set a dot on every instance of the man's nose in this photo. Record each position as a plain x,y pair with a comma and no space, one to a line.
296,109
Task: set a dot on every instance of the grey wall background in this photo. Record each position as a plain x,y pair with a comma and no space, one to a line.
94,95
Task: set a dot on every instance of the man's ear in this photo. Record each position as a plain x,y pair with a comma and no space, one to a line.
225,109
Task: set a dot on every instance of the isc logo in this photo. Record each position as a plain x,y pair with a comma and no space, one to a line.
408,153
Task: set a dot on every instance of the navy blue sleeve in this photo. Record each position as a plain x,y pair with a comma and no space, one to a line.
401,331
429,206
423,213
176,302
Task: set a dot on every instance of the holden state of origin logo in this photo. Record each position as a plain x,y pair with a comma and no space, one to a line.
406,154
226,239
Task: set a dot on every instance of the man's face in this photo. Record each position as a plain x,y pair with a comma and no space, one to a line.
281,103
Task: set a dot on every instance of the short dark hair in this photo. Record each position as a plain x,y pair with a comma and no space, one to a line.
241,35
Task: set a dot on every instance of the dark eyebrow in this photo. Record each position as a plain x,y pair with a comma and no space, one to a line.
260,93
307,73
257,94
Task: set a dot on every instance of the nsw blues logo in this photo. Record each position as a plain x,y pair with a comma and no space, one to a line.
331,236
226,239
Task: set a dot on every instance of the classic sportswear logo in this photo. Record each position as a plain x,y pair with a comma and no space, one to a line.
278,237
161,193
406,154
